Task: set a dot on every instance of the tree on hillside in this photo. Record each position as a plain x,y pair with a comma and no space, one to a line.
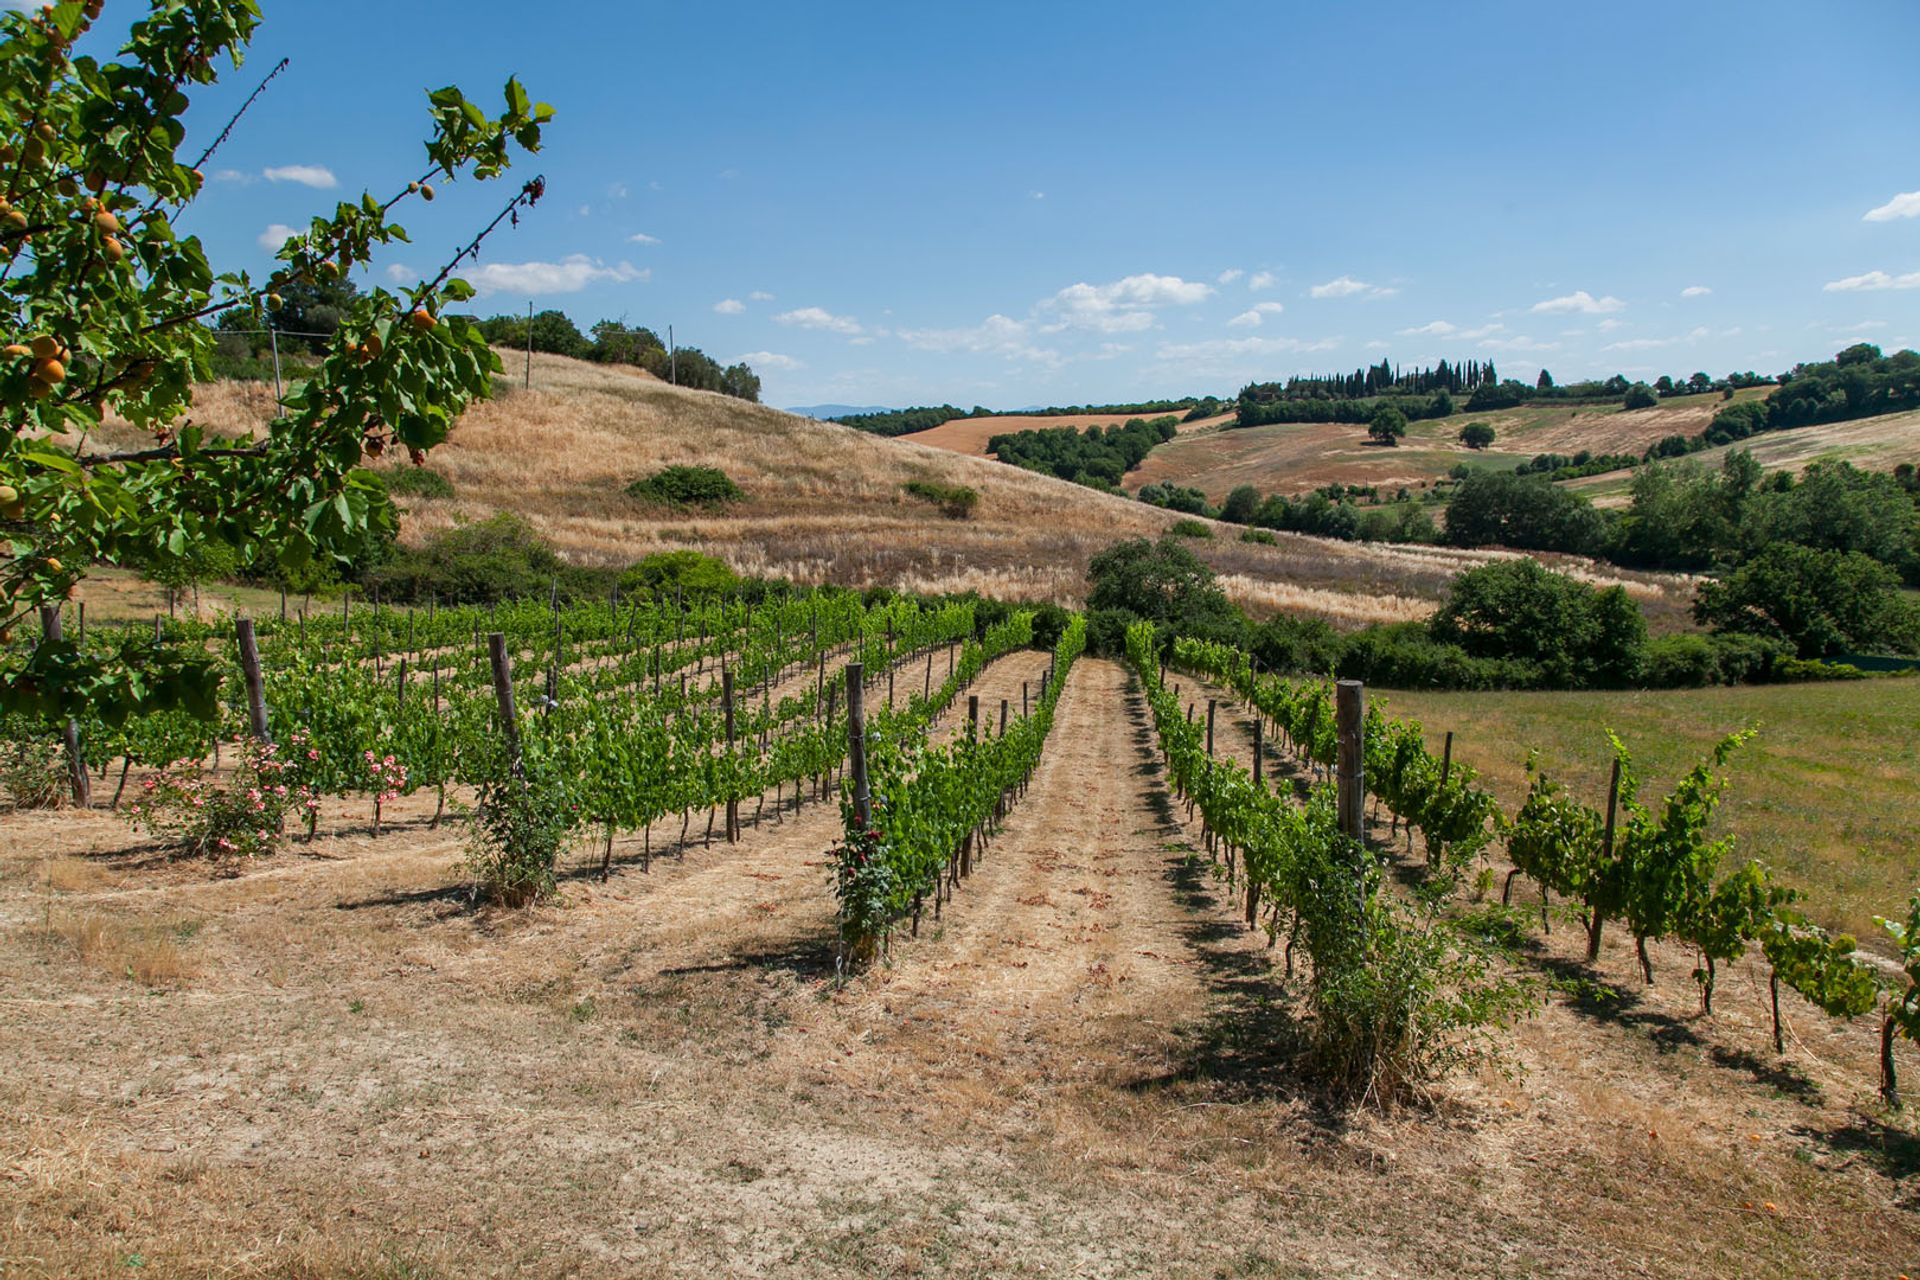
1640,396
1822,602
1387,425
1241,504
1544,382
109,308
1496,509
1576,634
1162,582
1476,435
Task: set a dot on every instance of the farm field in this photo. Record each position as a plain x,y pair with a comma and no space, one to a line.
970,435
1298,457
1828,793
331,1062
1872,444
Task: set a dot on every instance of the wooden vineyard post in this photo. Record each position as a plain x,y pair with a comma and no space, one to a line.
1024,712
1350,697
80,620
77,775
889,688
726,708
159,630
951,646
256,687
1446,759
1003,717
926,691
973,715
1211,705
1259,755
1606,857
503,698
973,735
857,747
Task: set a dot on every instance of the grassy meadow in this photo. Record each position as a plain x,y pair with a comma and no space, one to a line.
1827,794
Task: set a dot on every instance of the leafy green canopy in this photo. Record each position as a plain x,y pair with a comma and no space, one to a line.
106,310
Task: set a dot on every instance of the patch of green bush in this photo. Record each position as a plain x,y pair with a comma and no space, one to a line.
419,482
1189,529
684,486
1262,536
956,501
685,572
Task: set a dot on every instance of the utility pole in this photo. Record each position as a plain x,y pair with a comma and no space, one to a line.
673,359
529,344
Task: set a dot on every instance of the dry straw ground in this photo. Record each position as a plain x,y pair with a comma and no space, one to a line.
970,435
331,1064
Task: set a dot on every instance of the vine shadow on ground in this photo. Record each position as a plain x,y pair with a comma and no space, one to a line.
1251,1040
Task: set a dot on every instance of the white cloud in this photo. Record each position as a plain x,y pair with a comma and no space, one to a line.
1873,281
1228,276
1518,343
1124,306
1251,317
1037,195
1904,205
997,334
1609,325
1435,329
1639,344
232,175
1580,301
1229,348
401,273
759,295
1695,291
1347,287
1262,280
307,175
771,360
276,235
729,306
616,191
819,318
641,237
569,275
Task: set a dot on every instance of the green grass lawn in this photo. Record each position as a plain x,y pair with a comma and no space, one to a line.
1828,794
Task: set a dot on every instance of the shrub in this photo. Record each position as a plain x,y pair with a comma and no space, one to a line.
478,563
1680,662
1821,602
419,482
684,486
32,768
199,814
1189,529
956,501
1262,536
522,824
688,572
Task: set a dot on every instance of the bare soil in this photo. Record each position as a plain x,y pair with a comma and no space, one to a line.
332,1063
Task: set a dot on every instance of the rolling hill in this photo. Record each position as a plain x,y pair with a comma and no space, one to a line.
826,503
970,435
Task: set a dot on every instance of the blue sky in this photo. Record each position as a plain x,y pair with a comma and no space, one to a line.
1015,203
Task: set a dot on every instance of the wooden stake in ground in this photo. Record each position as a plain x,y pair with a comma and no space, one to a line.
1350,699
76,763
503,698
726,707
857,746
1606,856
256,687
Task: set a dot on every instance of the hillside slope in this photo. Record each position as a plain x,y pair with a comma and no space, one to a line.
970,435
825,503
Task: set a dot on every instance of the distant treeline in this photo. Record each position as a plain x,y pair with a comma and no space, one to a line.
1383,379
1254,412
1097,457
616,342
902,422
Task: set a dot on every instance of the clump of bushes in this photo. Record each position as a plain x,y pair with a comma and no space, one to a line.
1262,536
956,501
684,486
419,482
1189,529
687,572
